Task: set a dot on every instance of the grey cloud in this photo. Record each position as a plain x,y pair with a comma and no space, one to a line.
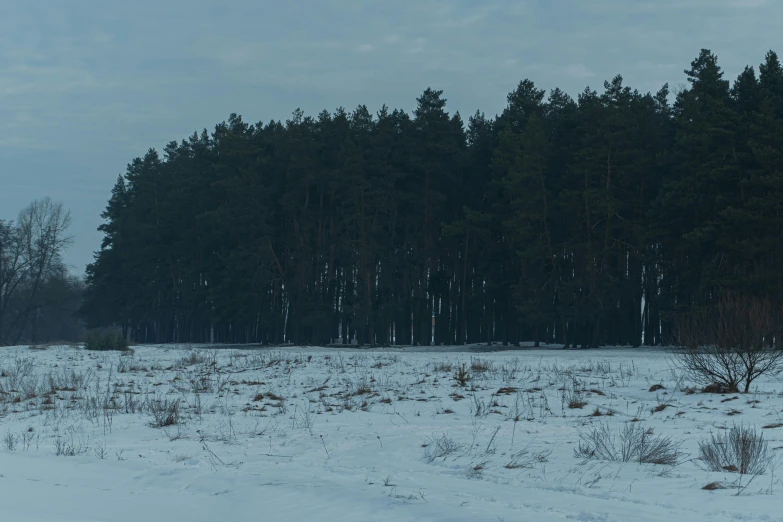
579,71
89,84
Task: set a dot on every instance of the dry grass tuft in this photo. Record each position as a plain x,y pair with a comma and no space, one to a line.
633,443
739,450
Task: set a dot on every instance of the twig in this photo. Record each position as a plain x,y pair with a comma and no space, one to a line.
743,488
497,429
326,450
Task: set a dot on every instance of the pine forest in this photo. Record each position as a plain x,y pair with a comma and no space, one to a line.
583,221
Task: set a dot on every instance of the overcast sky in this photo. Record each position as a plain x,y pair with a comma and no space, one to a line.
87,85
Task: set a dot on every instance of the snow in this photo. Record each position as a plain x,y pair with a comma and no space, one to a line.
326,434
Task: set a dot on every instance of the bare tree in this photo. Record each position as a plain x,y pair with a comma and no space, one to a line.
730,343
30,254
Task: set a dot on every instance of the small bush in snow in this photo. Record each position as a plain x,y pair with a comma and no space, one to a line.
476,471
192,358
480,365
728,345
740,449
440,447
524,459
633,443
574,399
462,375
69,445
164,413
10,441
443,367
105,341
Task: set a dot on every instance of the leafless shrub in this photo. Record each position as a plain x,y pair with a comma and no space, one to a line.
741,450
67,447
192,358
123,364
164,413
525,459
127,362
29,387
222,380
18,371
597,367
478,406
633,443
730,344
574,399
443,367
200,382
478,365
305,419
130,403
9,441
69,444
361,387
101,450
66,380
27,438
476,471
440,447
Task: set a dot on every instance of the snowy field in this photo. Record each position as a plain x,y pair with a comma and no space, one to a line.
187,434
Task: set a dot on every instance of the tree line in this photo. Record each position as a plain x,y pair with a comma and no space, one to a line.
583,222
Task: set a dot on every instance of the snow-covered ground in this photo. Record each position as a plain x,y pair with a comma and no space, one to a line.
359,435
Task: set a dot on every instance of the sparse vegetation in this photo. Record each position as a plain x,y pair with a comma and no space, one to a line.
223,408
